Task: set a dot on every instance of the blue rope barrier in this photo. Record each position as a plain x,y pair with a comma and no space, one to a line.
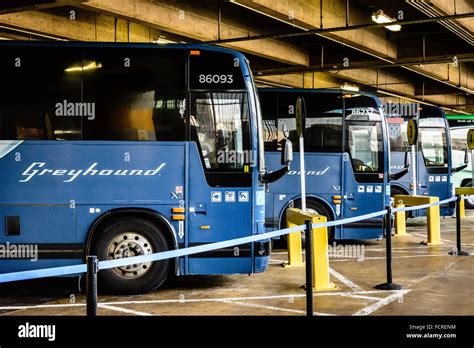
424,206
82,268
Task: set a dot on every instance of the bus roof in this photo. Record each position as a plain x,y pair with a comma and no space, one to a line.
316,90
426,111
460,121
182,46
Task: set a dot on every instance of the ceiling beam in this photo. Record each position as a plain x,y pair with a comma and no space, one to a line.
201,24
371,39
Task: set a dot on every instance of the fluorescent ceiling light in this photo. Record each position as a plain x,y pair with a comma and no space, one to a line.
351,88
89,66
163,40
380,17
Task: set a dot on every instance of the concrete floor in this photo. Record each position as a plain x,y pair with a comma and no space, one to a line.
434,283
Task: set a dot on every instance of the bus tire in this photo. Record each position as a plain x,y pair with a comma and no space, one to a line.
395,191
469,201
317,207
126,237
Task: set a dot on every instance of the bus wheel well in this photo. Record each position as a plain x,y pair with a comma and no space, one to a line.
397,190
309,200
150,215
466,182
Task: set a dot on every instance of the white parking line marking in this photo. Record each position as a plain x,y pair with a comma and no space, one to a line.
382,248
370,298
334,293
253,305
44,306
124,310
385,301
424,235
430,275
344,280
394,257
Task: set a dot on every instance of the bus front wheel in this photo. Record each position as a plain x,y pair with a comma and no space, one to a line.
317,208
393,192
129,237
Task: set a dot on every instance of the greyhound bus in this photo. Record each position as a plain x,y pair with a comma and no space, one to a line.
459,125
346,156
431,174
119,150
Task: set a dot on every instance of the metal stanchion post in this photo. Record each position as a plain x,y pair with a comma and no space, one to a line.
309,267
389,285
91,285
458,251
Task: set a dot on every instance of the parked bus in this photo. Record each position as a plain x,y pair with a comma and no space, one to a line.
433,167
346,157
118,150
459,126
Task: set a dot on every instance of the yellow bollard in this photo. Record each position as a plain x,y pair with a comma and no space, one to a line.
462,211
320,257
433,221
461,191
296,217
400,221
295,250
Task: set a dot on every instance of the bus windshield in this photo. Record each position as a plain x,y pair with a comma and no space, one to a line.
433,143
346,156
364,135
397,129
365,143
220,125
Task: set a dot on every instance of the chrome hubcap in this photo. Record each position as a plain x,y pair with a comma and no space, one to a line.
129,244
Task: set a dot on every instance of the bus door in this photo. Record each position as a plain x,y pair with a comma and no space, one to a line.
363,163
433,159
219,166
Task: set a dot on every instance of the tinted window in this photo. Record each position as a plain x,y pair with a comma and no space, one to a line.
135,94
35,92
271,134
215,70
361,108
323,131
397,130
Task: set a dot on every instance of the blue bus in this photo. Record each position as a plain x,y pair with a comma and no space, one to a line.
346,153
432,170
459,126
119,150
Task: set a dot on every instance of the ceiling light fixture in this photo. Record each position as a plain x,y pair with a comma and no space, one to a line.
351,88
380,17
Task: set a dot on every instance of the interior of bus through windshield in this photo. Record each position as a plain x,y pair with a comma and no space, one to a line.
432,140
363,138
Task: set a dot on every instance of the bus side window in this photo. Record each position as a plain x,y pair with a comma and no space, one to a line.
169,117
134,94
34,93
271,137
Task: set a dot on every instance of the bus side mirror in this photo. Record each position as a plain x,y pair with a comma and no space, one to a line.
287,153
464,166
406,164
286,159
